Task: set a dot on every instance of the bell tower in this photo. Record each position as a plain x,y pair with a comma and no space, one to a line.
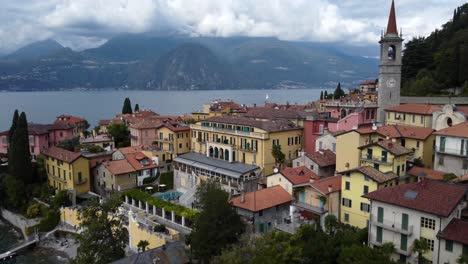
389,67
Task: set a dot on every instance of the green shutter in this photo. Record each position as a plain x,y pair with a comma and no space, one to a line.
379,234
404,221
380,215
404,242
449,245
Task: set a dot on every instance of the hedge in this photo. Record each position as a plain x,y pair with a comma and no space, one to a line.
160,203
167,178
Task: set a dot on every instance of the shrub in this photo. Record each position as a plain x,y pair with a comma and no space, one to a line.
51,220
167,178
449,177
61,199
33,211
160,228
149,179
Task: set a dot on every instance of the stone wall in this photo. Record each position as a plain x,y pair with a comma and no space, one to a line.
19,221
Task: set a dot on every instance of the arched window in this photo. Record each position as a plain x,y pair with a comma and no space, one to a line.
226,155
343,113
216,153
391,52
221,153
449,122
233,155
211,152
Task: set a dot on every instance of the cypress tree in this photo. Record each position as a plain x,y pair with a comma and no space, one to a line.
321,95
338,92
137,108
325,95
19,157
14,124
127,107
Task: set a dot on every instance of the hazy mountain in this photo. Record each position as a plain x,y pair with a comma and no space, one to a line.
141,61
34,50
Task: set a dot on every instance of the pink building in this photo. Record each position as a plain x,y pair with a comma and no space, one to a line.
41,136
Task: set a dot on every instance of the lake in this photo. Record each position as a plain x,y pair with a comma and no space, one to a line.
44,107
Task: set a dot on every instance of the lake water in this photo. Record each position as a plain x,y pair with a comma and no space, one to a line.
43,107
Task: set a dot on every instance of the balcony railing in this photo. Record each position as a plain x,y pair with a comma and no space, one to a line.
373,241
378,159
393,226
164,139
230,131
451,151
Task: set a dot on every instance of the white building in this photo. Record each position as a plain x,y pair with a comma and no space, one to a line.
448,116
451,152
326,141
454,241
420,210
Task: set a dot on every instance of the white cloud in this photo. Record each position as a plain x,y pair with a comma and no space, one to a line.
86,23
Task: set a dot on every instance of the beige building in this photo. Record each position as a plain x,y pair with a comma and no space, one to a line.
241,139
419,115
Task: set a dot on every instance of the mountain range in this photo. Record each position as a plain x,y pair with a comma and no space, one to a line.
142,61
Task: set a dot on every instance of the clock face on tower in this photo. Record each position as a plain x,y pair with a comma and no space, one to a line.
391,82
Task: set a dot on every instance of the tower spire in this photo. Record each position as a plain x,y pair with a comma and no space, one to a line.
392,26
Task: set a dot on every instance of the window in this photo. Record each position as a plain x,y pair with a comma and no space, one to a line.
366,189
429,242
312,167
404,117
428,223
320,144
277,208
388,115
379,234
366,178
346,217
414,118
422,119
80,179
4,140
403,142
333,147
465,164
380,214
403,242
347,202
449,245
347,185
417,144
441,160
365,207
260,213
180,145
404,221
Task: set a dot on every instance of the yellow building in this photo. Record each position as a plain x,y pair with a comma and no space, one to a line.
173,138
241,139
419,115
67,170
355,183
218,108
419,140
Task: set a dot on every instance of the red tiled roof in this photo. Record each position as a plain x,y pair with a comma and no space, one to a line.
456,230
426,173
460,130
431,196
323,157
399,131
69,119
374,174
390,146
40,129
422,109
462,108
61,154
299,175
269,126
135,158
368,82
133,149
117,167
272,113
263,199
323,184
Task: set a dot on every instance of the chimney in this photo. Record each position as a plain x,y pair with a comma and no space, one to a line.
330,188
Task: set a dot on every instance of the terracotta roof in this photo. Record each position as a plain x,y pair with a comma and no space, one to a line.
323,157
426,173
133,149
398,131
269,126
374,174
69,119
322,184
176,126
96,139
220,105
61,154
40,129
135,158
299,175
422,109
144,123
390,146
117,167
456,230
429,196
460,130
263,199
462,108
461,179
105,122
392,26
368,82
271,113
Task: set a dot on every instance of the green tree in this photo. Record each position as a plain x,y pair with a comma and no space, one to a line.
137,108
19,157
127,106
278,155
338,92
103,239
321,95
142,245
361,254
70,144
217,226
463,259
120,133
325,95
330,223
14,124
14,192
420,247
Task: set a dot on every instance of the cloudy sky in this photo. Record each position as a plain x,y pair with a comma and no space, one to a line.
82,24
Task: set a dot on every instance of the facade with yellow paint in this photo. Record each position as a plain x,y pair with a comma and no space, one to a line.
385,156
419,115
358,182
174,139
67,170
218,108
241,139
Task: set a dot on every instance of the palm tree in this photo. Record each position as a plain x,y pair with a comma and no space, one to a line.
142,245
420,246
388,249
463,259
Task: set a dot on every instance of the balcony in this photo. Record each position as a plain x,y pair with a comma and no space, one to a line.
310,208
451,151
81,182
377,159
158,139
373,241
231,132
393,226
57,178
